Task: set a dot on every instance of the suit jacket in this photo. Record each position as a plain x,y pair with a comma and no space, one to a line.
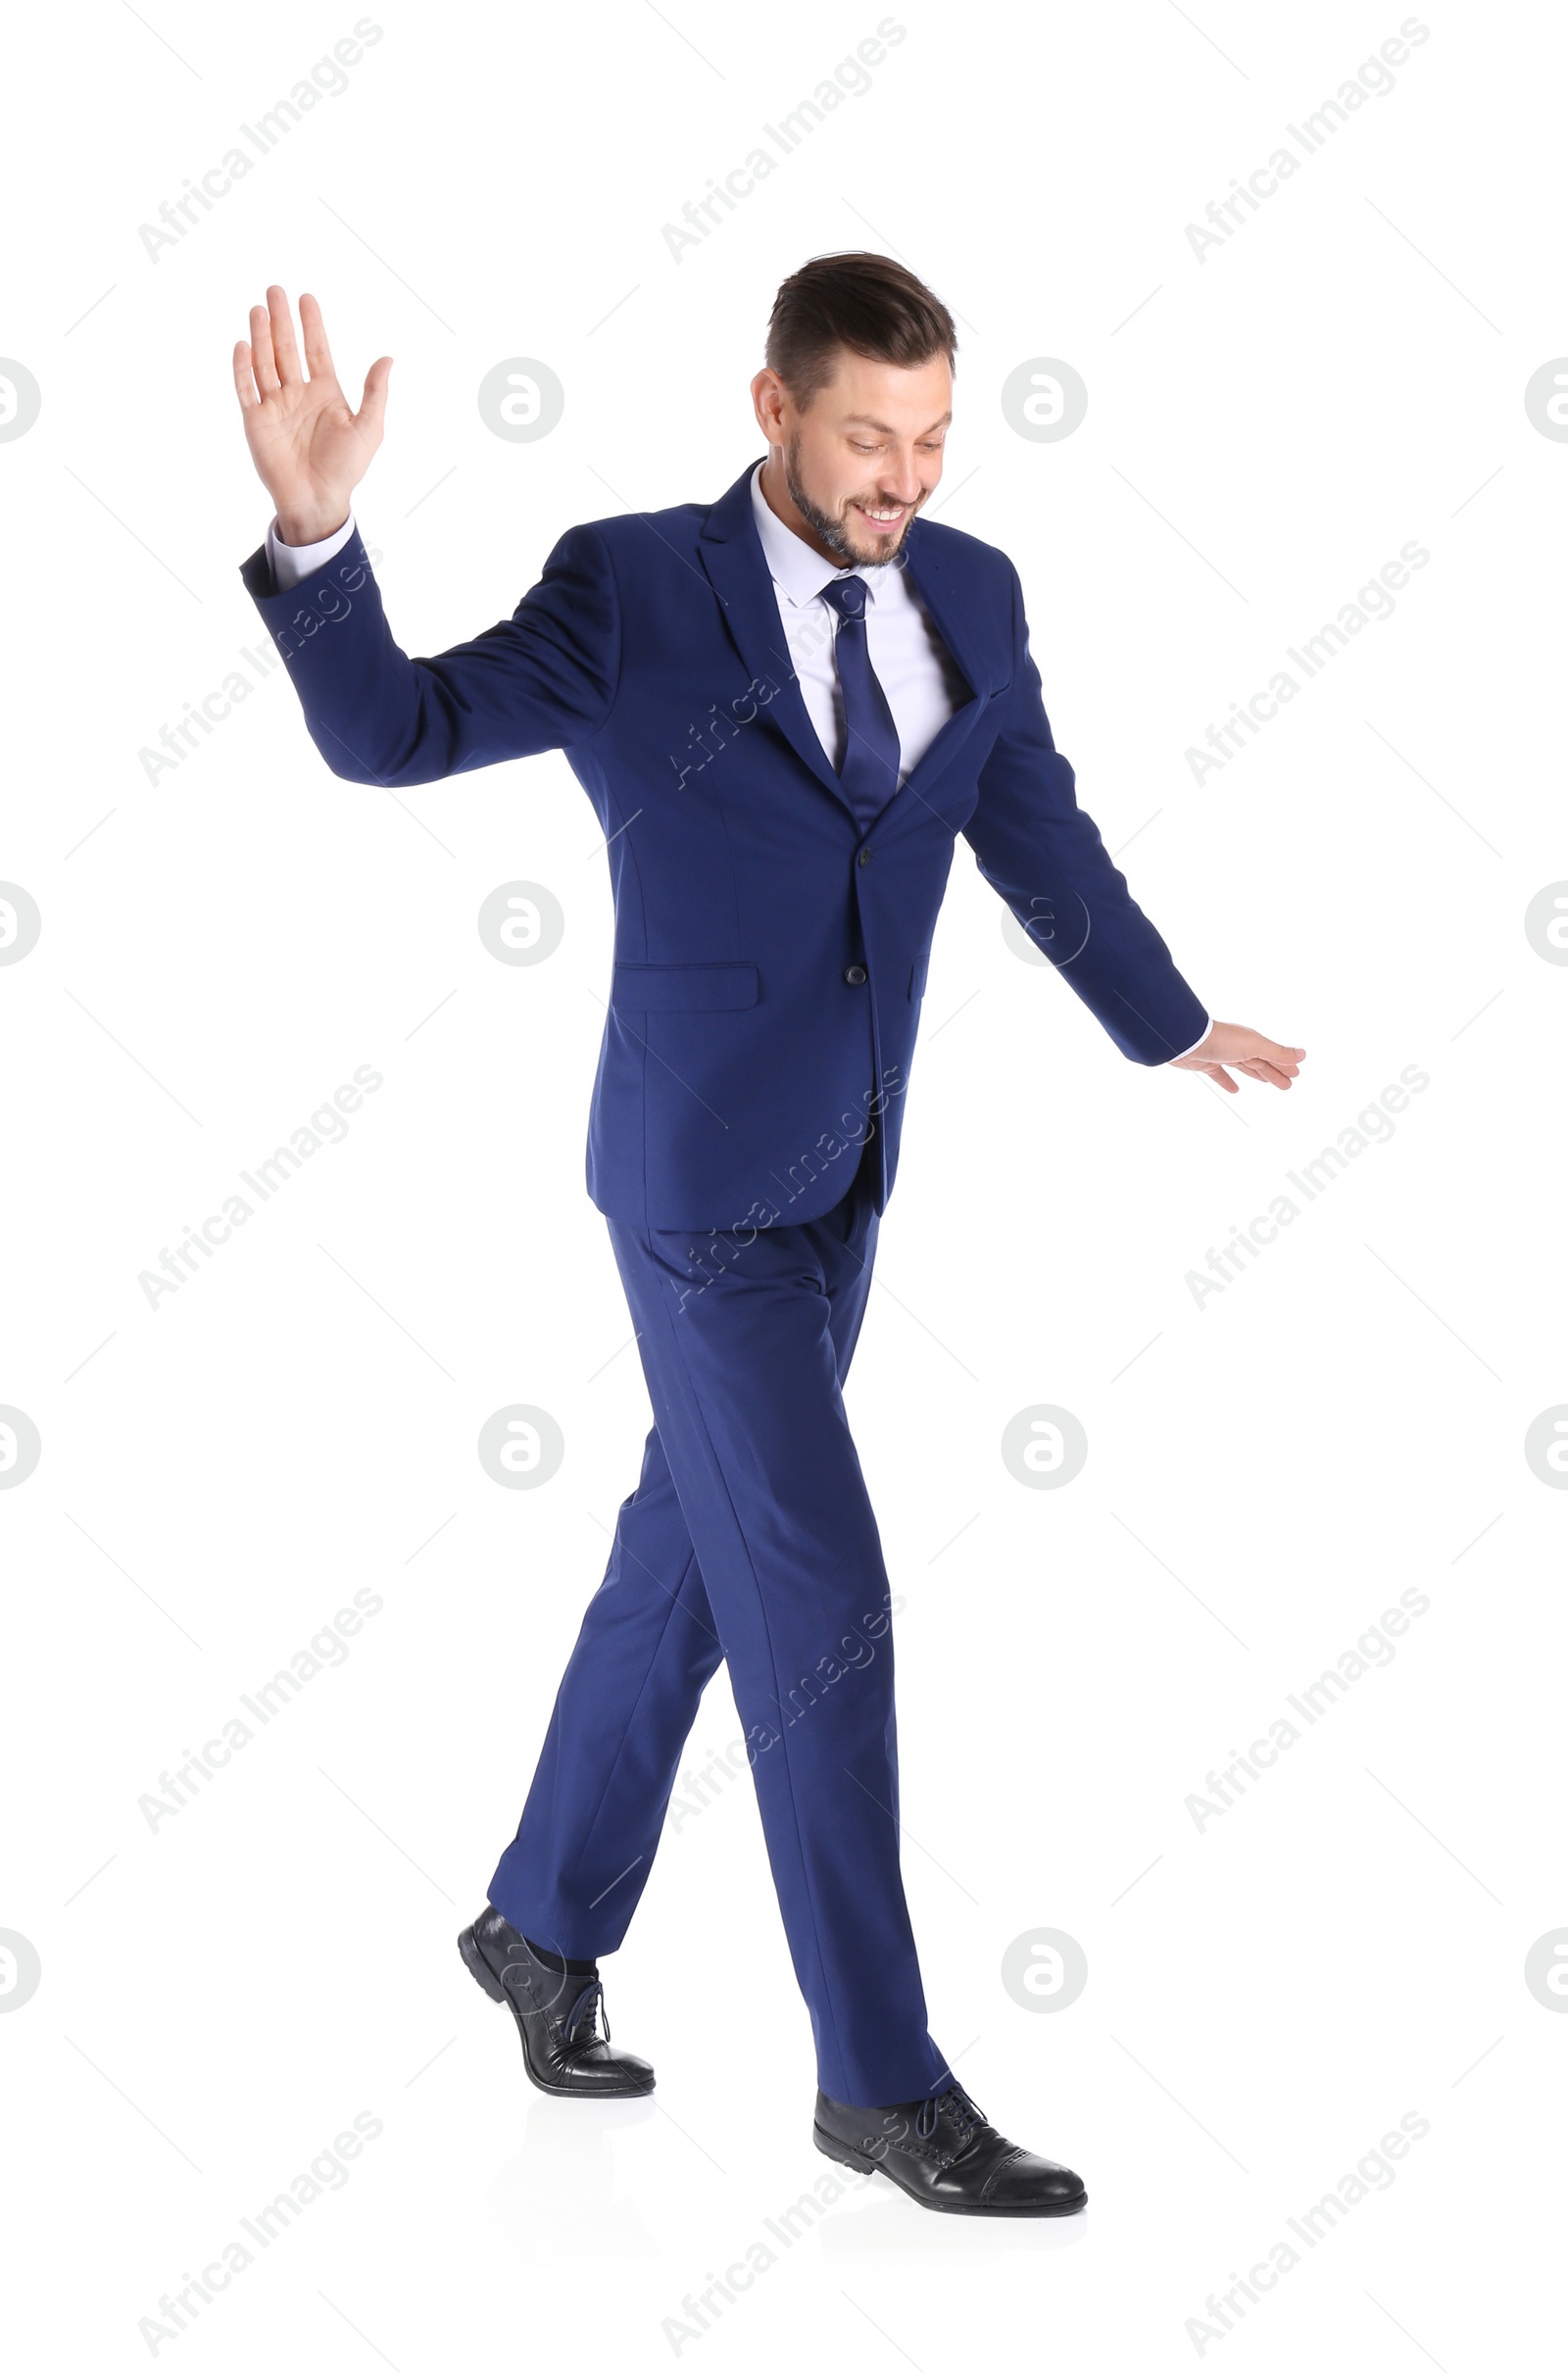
770,956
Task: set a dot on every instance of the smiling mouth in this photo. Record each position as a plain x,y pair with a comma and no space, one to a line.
881,516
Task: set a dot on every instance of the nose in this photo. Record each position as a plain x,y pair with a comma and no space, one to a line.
901,481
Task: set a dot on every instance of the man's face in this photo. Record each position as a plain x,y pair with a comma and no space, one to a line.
861,458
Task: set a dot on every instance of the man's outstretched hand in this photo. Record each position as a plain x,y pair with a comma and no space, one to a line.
309,449
1248,1050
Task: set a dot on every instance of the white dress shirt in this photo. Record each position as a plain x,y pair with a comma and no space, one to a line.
914,665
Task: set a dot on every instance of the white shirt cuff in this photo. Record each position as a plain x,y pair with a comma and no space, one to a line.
1197,1042
291,562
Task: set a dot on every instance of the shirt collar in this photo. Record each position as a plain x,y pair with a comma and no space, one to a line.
800,573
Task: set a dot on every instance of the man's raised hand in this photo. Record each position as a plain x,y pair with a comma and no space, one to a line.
1245,1050
309,449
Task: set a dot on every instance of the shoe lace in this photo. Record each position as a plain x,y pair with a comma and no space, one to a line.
964,2110
585,2011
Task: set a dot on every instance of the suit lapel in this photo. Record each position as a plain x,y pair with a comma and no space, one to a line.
934,580
731,551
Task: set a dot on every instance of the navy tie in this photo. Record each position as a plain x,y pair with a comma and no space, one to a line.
869,772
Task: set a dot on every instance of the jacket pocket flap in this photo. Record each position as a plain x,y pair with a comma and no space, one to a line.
682,988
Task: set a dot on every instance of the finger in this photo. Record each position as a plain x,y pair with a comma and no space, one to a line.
372,403
262,362
245,379
1218,1072
1277,1058
317,354
285,351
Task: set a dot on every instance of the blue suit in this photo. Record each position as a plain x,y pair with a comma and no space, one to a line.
769,961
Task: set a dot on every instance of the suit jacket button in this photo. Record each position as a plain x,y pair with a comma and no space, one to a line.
865,856
855,975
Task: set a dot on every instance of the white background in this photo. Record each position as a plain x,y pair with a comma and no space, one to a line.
221,948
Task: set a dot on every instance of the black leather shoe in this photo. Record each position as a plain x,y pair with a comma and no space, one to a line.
943,2155
557,2015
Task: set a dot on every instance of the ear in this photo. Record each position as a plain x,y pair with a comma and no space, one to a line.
768,399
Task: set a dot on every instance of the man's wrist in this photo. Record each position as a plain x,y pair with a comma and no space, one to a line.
291,564
1197,1043
310,527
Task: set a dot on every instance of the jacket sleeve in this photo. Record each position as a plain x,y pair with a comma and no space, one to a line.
1044,857
542,680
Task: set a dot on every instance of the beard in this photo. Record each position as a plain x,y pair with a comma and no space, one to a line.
833,532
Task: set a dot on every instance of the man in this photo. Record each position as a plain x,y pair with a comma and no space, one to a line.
784,706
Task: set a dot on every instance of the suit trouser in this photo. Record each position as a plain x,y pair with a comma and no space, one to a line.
749,1539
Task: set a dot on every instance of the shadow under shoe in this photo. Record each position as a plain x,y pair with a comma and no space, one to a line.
943,2153
557,2014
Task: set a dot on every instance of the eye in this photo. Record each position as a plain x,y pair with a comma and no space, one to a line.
859,448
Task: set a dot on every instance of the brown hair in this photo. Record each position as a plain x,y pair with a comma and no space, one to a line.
864,302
